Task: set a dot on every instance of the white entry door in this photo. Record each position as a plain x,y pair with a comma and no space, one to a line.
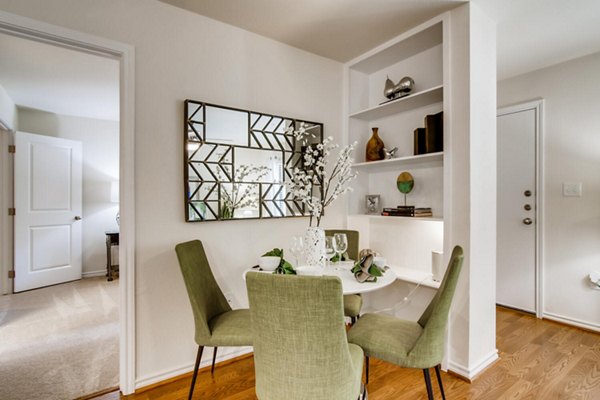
516,276
48,211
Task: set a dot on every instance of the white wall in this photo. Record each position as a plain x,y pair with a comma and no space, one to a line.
8,110
100,140
182,55
571,91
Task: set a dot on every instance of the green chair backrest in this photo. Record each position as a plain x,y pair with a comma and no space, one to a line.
428,351
352,236
206,297
300,344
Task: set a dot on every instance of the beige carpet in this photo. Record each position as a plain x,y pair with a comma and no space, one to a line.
59,342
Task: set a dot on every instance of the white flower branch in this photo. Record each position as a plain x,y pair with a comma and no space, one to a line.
242,196
314,173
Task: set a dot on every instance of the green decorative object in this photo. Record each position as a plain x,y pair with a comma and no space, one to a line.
405,183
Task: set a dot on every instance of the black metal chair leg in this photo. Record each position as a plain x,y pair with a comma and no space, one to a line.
367,367
364,395
439,378
428,383
198,357
212,369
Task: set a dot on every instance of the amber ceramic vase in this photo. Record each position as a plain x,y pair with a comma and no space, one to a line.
375,147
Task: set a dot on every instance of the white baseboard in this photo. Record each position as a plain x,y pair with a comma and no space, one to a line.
92,274
171,373
572,321
472,372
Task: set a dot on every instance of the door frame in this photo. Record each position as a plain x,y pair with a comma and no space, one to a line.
28,28
537,105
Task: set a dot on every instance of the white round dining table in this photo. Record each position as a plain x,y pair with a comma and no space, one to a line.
349,283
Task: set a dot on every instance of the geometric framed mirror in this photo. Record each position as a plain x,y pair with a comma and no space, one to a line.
238,163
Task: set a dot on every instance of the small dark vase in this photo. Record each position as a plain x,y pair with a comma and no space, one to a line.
375,147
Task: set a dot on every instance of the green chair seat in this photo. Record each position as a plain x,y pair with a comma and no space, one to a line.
385,337
352,305
231,329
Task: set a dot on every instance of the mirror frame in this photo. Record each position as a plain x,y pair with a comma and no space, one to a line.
291,151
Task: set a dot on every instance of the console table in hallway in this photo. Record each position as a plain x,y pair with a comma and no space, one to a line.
112,239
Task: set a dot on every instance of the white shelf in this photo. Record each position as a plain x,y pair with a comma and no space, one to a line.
396,219
406,45
416,276
410,102
421,158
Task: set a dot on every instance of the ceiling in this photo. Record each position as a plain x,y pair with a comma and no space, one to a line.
58,80
336,29
532,34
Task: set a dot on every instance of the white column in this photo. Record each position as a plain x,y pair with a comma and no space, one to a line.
470,187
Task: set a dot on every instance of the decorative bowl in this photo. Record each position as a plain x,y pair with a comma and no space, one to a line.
269,263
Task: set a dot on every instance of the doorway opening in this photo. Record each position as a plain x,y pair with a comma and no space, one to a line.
123,288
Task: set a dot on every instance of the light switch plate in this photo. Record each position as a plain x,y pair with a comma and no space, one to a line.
572,189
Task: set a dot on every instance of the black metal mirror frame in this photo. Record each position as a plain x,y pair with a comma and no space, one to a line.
209,206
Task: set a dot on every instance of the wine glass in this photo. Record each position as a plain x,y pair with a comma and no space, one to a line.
297,248
329,249
340,245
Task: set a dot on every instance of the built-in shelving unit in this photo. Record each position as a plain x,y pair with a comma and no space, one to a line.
397,219
419,54
406,242
422,158
403,104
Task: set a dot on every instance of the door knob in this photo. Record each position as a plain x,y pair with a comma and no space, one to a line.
527,193
527,221
77,218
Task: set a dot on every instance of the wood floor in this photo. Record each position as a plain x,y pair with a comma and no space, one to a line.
539,360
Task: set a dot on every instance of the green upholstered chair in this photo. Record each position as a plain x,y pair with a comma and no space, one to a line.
216,323
301,349
352,302
412,344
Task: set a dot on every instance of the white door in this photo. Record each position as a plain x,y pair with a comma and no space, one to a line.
48,211
516,284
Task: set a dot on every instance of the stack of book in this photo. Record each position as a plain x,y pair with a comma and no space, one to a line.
400,211
407,211
423,212
431,138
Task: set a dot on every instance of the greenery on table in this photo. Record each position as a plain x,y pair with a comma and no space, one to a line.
336,257
284,267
